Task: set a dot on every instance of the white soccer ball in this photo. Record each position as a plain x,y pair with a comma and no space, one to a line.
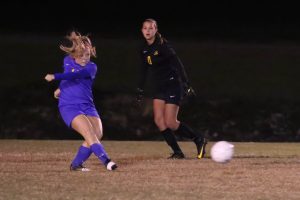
222,151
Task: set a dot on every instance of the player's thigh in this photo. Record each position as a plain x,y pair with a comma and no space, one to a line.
82,125
158,109
96,125
170,115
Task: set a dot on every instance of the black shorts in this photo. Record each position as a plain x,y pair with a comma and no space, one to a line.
171,92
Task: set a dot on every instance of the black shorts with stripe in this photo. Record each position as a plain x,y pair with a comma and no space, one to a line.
171,92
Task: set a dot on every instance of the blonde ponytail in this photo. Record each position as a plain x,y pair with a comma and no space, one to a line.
79,45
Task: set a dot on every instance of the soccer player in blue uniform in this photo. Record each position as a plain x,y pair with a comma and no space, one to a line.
170,84
76,104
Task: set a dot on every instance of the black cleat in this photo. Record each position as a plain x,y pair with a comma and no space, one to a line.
176,156
80,168
200,143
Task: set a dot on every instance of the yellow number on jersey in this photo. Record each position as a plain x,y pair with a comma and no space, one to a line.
149,60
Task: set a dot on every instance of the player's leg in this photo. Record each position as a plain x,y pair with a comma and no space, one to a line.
82,155
171,113
98,131
159,111
68,113
84,150
171,120
82,125
96,125
173,101
197,137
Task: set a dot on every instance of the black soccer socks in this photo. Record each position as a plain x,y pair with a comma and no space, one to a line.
171,140
188,132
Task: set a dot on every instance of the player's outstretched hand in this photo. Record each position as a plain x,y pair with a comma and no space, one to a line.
49,77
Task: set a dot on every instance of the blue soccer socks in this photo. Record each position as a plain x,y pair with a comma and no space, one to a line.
99,151
82,155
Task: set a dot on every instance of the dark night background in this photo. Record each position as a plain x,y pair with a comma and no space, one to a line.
249,20
242,58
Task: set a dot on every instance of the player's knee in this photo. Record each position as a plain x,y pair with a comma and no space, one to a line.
99,134
90,137
171,124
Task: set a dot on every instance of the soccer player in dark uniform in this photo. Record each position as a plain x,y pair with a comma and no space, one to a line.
170,86
76,103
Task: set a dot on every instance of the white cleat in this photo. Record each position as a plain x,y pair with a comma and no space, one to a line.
80,168
111,166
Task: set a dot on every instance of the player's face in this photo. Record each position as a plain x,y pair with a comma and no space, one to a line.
149,30
83,58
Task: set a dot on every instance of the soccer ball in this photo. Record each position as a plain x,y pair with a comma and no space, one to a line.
222,151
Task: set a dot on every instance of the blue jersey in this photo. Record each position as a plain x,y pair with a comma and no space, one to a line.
76,82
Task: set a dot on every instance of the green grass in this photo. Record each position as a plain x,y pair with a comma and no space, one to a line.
33,169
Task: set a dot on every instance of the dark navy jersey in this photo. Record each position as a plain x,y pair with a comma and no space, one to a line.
161,61
76,82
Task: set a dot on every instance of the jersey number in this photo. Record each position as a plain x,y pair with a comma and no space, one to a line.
149,60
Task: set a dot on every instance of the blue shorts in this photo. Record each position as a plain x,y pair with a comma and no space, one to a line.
69,112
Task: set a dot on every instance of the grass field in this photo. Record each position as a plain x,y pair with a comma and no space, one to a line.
32,169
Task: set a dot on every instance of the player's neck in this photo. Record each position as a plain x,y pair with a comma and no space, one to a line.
150,41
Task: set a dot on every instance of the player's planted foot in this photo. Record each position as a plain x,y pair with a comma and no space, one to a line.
111,166
177,155
80,168
200,143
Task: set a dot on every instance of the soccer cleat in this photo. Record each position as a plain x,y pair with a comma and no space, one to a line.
176,156
80,168
200,143
111,166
